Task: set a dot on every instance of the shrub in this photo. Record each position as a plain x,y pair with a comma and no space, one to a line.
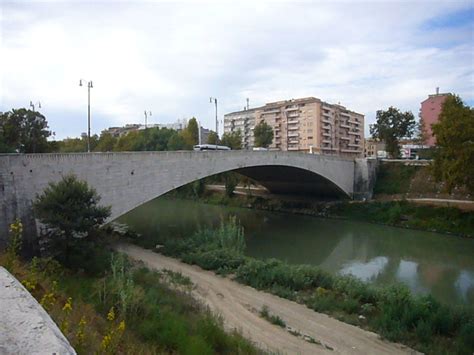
71,212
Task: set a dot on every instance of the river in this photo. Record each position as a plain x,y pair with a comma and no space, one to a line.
428,263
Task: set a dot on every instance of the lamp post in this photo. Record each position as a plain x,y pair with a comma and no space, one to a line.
147,113
32,105
89,87
211,99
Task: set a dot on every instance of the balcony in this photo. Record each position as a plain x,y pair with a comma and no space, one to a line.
326,141
293,121
326,134
293,128
292,109
326,120
353,145
354,133
293,114
350,151
353,122
345,138
293,142
271,111
345,125
345,114
292,134
293,148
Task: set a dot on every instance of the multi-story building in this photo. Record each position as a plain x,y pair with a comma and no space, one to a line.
243,121
429,114
306,125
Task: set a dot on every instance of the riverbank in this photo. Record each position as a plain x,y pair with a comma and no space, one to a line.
126,309
417,321
240,306
399,213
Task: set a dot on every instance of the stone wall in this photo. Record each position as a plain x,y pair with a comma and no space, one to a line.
25,327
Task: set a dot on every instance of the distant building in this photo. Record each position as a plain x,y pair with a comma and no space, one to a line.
429,114
374,148
306,125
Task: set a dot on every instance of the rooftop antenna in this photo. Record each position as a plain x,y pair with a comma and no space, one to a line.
247,103
437,90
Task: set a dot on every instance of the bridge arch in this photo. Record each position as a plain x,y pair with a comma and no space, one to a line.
127,180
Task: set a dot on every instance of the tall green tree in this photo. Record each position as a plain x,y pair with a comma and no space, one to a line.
263,134
232,139
213,138
454,155
70,210
24,131
193,131
391,126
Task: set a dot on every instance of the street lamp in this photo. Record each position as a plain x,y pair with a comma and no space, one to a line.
32,105
217,125
147,113
89,87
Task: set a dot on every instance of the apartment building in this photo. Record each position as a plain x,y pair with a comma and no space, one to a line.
243,121
429,113
306,125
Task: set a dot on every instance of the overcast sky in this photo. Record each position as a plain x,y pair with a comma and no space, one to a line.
169,57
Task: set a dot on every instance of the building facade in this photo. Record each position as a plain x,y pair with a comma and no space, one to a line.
429,114
306,125
374,149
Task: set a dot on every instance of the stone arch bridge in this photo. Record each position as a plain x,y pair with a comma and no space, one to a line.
127,180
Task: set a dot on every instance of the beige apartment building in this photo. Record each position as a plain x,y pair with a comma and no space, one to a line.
306,125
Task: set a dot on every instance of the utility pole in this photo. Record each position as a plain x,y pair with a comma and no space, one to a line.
89,87
217,124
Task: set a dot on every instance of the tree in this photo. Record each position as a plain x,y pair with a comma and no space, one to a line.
263,134
176,142
213,138
106,143
391,126
454,155
24,131
233,139
192,132
70,210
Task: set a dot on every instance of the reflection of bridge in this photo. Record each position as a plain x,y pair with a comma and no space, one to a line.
127,180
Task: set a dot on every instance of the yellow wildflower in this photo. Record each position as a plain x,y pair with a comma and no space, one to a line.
111,314
68,305
121,326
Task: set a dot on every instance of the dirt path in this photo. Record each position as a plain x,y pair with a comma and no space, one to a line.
239,306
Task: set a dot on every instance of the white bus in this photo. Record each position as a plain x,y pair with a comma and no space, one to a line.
200,147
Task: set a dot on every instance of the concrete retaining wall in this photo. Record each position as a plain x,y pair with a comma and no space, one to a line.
25,327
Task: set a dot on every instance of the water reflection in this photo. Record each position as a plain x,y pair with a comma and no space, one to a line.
367,271
426,262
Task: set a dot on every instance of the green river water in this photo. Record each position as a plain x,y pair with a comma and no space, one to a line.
428,263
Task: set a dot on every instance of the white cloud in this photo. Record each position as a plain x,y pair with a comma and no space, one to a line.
169,58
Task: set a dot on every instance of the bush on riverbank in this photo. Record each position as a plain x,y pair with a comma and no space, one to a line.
418,321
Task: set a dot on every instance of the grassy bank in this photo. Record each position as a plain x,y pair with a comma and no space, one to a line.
393,312
126,309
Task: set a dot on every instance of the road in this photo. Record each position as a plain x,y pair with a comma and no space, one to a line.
239,306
